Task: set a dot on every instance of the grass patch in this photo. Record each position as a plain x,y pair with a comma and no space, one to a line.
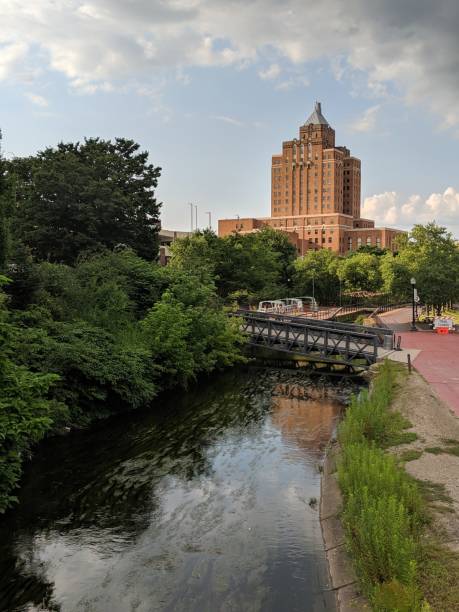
452,441
434,450
433,492
410,455
439,577
452,448
385,511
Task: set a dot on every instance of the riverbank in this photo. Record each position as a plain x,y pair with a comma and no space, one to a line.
421,458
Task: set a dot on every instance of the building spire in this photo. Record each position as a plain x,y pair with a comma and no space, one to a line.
316,117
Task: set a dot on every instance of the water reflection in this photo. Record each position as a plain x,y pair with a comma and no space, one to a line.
199,505
306,415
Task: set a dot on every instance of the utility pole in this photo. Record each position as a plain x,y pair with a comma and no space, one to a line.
196,215
191,209
210,219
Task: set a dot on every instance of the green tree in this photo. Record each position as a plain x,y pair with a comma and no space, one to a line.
318,268
432,256
6,208
188,333
26,412
396,273
360,272
90,196
257,264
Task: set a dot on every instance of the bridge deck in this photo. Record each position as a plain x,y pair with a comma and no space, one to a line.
334,343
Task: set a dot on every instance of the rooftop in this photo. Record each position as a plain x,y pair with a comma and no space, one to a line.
316,117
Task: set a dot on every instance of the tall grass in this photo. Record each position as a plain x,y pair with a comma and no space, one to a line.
383,510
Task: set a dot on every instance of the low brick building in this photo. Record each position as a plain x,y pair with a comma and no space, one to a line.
315,195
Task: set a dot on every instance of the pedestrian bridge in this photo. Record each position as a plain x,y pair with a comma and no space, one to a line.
324,341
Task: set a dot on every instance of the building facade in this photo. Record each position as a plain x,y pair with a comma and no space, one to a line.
166,238
315,195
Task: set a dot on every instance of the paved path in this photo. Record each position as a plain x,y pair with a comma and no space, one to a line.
436,357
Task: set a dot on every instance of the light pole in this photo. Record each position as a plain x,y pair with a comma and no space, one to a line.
196,215
191,209
413,315
210,219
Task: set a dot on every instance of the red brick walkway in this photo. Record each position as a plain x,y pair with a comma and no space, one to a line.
438,359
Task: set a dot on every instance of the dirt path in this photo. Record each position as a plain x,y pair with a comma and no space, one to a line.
435,424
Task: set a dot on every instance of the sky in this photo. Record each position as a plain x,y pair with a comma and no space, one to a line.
211,88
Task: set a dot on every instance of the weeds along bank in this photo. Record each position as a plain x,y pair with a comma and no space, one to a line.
399,562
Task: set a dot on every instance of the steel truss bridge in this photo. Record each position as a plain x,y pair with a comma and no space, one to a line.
324,341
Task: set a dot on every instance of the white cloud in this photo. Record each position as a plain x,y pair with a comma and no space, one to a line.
367,121
388,209
272,72
11,54
291,82
37,99
230,120
413,44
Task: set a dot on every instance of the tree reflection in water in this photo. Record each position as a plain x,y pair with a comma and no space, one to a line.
163,487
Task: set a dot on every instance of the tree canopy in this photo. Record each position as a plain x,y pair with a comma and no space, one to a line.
86,196
430,254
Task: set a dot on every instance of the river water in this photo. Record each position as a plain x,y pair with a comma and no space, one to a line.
205,503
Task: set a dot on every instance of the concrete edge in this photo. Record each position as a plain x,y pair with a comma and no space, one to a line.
340,567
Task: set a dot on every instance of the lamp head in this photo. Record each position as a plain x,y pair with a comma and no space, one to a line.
413,281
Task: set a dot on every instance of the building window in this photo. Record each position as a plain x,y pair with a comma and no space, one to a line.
329,239
378,242
368,240
359,243
350,244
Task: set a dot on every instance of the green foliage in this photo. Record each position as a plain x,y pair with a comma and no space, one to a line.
6,208
439,576
26,412
367,468
187,332
258,265
396,274
410,455
109,332
383,512
80,197
320,267
360,272
432,256
368,417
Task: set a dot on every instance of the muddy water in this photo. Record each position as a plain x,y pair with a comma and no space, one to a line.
202,504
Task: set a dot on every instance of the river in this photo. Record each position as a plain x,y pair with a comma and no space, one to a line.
203,504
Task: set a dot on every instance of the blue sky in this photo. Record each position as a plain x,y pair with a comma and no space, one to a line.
212,88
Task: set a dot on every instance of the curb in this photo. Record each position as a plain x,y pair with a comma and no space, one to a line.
342,576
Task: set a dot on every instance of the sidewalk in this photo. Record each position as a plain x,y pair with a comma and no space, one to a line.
437,359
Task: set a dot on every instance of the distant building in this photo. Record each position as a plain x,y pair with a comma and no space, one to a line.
315,195
166,238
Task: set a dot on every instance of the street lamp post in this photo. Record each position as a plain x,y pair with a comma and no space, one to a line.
413,303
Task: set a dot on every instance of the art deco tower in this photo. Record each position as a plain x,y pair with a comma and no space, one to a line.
312,175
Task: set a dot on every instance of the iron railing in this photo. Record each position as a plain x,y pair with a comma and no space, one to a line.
321,342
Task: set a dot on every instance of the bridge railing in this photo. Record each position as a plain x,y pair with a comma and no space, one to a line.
304,337
384,335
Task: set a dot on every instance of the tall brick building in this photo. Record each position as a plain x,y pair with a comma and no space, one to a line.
315,195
